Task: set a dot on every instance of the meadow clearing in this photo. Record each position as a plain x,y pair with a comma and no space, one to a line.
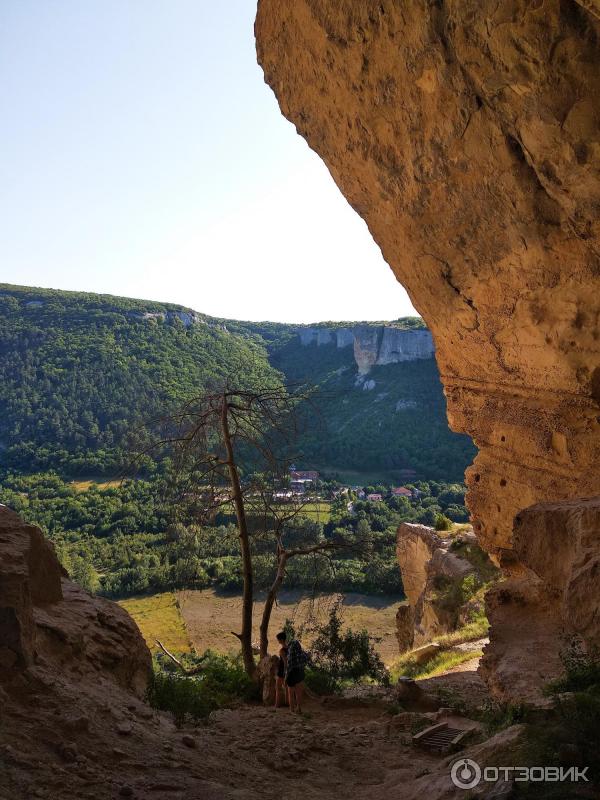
203,619
158,617
85,485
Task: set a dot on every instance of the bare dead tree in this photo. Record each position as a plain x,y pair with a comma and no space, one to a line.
217,440
187,671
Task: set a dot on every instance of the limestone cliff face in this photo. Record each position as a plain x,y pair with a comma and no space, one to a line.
374,344
397,345
432,569
466,134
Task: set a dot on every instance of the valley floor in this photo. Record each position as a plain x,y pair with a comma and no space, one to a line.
211,616
205,618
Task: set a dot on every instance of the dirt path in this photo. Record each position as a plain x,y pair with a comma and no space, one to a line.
56,742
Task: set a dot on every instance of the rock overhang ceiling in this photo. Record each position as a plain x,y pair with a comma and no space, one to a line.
467,135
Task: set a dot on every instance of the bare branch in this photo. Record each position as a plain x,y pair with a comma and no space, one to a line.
193,671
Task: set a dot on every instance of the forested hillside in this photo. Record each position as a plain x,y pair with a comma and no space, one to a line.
81,376
80,373
385,423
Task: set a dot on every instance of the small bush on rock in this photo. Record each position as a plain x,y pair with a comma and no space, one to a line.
442,523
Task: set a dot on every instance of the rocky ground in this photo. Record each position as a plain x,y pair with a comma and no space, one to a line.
74,724
56,743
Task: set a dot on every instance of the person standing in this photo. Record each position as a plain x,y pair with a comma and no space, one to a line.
281,668
294,675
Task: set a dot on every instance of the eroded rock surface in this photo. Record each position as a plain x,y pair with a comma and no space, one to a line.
53,631
537,617
433,570
466,134
30,575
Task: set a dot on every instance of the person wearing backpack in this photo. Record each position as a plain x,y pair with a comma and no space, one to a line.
294,674
281,668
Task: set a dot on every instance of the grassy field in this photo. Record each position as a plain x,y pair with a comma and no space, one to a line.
83,486
319,511
210,617
159,617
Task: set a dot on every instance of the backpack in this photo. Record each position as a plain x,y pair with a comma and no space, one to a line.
301,657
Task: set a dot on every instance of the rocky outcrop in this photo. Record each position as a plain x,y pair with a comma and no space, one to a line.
467,136
52,629
433,569
30,577
188,318
388,345
373,345
405,626
537,617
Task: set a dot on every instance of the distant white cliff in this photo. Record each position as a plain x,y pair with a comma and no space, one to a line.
374,344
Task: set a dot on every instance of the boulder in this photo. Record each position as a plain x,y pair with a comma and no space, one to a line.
405,626
51,627
30,575
413,697
425,653
536,614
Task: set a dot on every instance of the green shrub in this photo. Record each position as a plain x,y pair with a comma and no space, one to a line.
577,695
347,656
497,716
221,682
582,670
321,682
451,594
442,523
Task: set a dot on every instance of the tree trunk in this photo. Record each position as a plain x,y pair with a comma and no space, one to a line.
270,602
245,636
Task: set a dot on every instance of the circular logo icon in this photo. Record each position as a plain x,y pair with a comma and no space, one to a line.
465,773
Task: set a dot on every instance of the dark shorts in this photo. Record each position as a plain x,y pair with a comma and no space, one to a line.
295,676
281,671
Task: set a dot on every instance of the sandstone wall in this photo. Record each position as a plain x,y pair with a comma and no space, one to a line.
466,134
431,573
55,631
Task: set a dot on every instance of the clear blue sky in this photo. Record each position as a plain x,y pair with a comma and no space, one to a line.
141,154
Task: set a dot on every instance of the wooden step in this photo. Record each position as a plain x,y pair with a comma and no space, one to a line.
439,738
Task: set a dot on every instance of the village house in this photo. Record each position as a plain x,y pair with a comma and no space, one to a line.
374,498
401,491
283,495
303,476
